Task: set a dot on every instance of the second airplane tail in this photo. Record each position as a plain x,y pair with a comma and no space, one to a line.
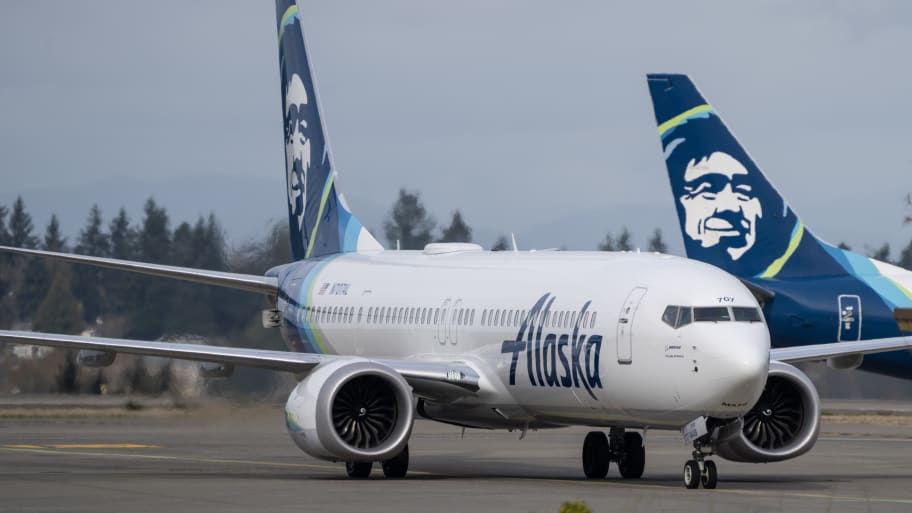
730,214
321,222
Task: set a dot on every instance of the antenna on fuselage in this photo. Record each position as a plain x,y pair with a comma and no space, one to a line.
397,245
513,238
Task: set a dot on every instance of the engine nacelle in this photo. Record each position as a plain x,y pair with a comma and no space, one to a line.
782,425
91,358
210,370
351,410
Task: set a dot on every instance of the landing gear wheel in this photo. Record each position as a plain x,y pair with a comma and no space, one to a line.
596,455
710,476
358,469
395,468
633,458
691,474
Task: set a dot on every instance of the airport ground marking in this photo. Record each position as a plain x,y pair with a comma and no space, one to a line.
166,457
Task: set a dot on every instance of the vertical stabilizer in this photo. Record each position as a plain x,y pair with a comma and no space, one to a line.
320,220
730,214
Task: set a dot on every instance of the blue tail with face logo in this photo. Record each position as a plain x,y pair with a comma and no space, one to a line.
321,222
731,216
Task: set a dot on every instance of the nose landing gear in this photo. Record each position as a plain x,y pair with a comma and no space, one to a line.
699,470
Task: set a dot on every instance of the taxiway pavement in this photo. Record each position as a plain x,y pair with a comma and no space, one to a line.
241,460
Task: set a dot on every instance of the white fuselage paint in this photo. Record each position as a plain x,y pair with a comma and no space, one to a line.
716,369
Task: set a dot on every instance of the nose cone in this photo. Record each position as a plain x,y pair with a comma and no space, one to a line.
737,363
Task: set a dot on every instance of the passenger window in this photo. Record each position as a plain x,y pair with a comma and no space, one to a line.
746,314
472,318
592,322
461,313
711,314
484,317
497,318
436,315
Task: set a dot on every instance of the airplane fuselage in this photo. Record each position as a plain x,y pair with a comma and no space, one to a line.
842,308
559,338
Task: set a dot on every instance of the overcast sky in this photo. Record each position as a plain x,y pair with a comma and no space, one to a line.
531,117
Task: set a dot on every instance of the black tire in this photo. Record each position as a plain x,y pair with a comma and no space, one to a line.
596,455
710,476
691,475
633,459
358,469
396,468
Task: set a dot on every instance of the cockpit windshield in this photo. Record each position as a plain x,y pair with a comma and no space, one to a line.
678,316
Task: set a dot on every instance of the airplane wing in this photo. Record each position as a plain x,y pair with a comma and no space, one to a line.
433,379
819,352
249,282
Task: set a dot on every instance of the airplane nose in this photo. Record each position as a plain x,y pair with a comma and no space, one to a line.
745,366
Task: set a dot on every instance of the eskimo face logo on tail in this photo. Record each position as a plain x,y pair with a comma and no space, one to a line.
720,207
562,360
297,146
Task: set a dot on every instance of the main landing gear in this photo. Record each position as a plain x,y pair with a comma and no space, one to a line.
393,468
626,449
699,470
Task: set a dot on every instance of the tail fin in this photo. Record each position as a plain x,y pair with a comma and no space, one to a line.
320,220
731,216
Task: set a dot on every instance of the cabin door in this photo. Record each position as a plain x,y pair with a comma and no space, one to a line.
625,325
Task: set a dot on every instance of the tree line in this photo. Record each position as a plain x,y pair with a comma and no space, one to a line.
47,296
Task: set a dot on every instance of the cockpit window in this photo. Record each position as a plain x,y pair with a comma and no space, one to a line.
711,314
685,316
677,316
670,317
746,314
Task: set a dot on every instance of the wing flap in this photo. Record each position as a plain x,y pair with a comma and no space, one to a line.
818,352
249,282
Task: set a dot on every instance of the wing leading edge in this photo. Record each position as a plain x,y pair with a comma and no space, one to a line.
432,378
819,352
249,282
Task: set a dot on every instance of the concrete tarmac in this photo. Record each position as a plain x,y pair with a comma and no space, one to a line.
226,460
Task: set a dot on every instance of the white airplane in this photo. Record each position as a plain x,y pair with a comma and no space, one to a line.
507,340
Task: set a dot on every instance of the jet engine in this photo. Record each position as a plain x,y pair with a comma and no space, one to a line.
782,425
351,410
92,358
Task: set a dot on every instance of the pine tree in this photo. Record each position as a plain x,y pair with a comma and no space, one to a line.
607,243
59,311
656,244
53,240
122,237
39,272
154,294
89,281
905,257
409,223
623,242
20,226
843,245
882,253
501,244
121,288
4,233
457,231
